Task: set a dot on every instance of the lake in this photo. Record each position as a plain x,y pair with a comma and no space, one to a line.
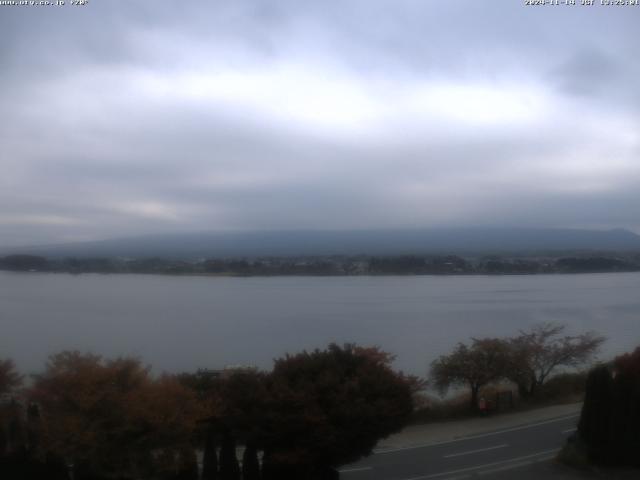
181,323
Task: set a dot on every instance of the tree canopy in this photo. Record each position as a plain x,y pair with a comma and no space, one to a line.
538,352
111,418
527,359
10,379
330,407
483,362
106,416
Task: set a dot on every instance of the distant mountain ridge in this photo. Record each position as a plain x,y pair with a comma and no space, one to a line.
346,242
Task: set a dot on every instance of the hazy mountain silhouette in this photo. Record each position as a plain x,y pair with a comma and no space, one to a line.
352,242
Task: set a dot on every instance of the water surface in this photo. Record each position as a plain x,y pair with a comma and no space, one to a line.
181,323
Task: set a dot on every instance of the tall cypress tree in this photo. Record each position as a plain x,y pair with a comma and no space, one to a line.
33,427
625,417
4,442
187,464
250,463
610,420
229,468
594,422
210,457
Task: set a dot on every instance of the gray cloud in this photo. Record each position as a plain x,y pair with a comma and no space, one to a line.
246,115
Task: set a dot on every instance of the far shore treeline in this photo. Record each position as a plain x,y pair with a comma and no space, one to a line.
576,262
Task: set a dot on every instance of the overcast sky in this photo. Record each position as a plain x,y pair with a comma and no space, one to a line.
131,117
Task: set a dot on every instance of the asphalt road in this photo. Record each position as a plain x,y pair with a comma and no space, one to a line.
489,455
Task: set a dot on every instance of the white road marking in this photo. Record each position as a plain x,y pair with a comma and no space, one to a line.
472,437
486,465
511,466
475,451
357,469
569,430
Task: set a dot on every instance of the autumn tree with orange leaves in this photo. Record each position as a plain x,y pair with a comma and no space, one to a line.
9,377
110,418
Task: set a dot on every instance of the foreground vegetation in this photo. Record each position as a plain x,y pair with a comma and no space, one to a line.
89,418
111,419
609,428
527,360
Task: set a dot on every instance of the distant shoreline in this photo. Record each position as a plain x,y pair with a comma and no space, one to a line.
332,266
310,275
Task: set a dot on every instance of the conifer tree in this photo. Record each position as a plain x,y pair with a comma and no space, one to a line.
229,467
250,463
210,458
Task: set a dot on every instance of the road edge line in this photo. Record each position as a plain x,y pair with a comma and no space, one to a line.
485,465
480,435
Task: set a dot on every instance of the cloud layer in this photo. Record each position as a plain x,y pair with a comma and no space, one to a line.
145,118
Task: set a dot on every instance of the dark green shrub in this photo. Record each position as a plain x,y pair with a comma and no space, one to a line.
610,420
210,458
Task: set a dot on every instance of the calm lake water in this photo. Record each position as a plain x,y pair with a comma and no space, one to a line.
181,323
